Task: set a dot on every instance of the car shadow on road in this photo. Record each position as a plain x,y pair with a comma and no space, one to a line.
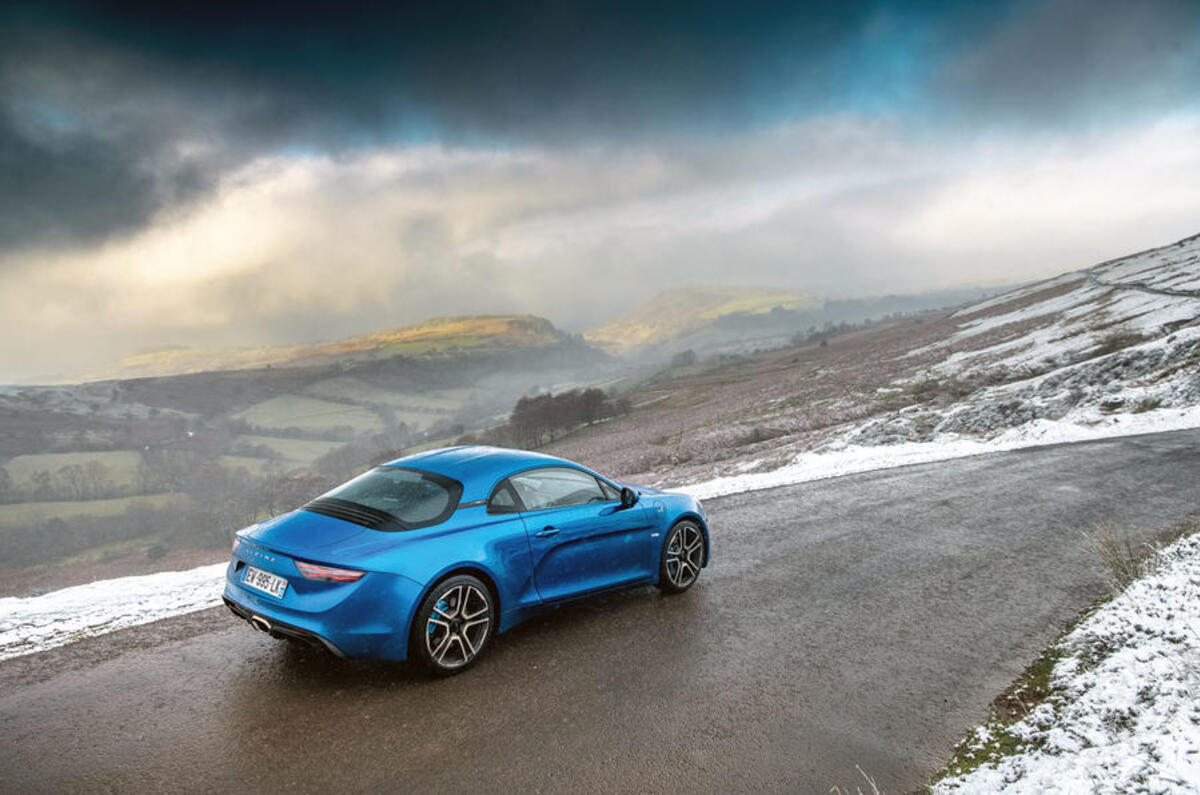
625,617
624,654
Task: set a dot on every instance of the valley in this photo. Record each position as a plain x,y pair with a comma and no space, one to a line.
139,474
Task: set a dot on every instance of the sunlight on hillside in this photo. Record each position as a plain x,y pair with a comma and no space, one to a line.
488,332
669,314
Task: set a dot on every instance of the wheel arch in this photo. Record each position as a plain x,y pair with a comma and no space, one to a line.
472,569
692,516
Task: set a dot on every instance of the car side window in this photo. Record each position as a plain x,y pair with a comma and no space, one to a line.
503,500
609,492
556,487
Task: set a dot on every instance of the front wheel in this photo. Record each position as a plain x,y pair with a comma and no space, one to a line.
453,625
682,557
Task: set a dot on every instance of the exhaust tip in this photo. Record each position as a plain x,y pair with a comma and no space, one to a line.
260,623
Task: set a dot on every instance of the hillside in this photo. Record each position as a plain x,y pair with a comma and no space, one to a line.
1122,337
673,313
438,335
415,379
1089,353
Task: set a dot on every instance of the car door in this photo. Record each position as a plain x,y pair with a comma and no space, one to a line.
580,537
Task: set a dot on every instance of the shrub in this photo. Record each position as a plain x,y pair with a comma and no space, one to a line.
684,358
1124,560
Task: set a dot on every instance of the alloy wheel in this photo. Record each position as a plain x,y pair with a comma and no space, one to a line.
458,626
685,555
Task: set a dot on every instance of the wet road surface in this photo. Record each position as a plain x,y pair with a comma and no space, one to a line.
865,621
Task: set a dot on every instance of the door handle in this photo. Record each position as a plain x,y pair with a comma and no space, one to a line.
546,531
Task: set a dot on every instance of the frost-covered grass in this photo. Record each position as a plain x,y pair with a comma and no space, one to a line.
1114,707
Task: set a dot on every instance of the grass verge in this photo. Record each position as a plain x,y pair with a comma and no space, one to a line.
1124,562
993,740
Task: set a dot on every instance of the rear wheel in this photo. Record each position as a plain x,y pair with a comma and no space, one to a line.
682,557
453,625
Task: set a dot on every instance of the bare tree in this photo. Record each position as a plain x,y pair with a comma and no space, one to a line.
71,482
95,480
43,485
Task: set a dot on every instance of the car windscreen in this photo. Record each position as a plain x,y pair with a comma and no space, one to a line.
391,498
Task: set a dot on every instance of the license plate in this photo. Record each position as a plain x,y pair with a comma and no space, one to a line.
264,581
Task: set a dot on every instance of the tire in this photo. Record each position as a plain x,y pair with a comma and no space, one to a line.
682,557
453,625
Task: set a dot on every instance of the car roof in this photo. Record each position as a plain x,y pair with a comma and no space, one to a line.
477,467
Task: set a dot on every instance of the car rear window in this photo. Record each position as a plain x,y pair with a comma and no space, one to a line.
392,498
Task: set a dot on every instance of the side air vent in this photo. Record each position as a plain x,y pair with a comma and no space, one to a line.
354,512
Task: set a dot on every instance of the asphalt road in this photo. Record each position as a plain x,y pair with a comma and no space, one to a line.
865,621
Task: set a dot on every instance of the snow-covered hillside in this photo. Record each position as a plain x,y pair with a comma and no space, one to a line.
1121,338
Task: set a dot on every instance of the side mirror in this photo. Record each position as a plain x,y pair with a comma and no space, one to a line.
629,497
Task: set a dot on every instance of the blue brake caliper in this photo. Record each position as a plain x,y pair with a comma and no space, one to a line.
443,606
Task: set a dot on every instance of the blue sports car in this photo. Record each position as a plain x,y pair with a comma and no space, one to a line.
429,556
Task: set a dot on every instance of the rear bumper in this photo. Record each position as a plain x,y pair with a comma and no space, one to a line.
279,629
369,618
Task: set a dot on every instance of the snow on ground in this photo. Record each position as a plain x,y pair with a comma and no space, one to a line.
1081,328
1171,267
842,458
1124,715
1020,292
60,617
1078,301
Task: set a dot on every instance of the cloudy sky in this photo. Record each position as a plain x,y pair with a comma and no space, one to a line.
242,173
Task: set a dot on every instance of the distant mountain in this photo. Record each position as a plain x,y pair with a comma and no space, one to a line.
438,336
714,320
675,313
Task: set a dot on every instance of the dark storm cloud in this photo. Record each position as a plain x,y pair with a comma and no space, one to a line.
1081,60
497,66
110,114
78,185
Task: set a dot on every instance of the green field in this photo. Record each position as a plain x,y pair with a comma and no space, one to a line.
449,397
295,452
252,465
121,467
345,388
24,513
417,410
116,549
308,414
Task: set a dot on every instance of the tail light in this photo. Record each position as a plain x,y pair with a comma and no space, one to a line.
313,571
